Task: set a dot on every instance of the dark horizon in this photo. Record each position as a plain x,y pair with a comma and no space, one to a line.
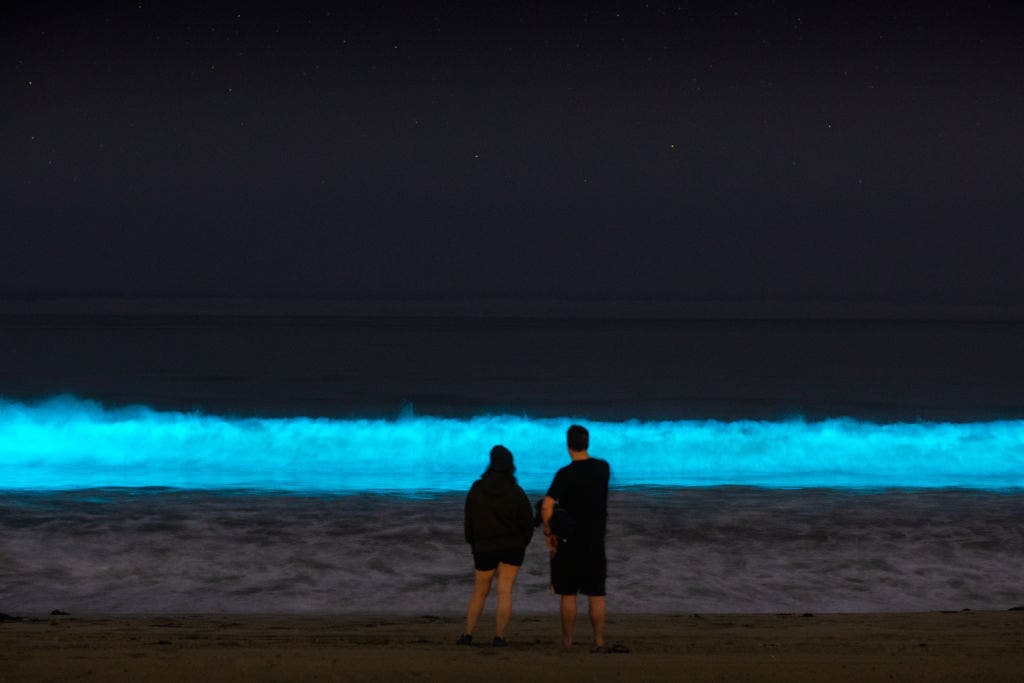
625,309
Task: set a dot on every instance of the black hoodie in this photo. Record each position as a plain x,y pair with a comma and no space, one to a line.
498,514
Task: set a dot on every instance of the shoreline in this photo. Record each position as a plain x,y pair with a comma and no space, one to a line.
947,645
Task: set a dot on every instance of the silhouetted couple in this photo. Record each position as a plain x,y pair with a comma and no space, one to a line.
499,524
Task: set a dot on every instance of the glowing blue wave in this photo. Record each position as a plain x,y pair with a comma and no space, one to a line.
69,443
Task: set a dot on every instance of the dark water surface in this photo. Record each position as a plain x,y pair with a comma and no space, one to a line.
602,369
724,549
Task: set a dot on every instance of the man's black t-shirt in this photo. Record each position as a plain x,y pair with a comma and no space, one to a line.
581,487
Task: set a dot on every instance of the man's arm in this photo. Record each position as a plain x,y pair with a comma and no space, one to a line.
547,508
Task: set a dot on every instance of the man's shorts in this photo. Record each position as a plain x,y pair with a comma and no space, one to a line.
579,569
488,561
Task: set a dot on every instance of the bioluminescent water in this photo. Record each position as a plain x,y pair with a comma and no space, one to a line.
68,443
133,510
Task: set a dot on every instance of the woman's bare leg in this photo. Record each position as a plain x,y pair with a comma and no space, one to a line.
506,578
481,587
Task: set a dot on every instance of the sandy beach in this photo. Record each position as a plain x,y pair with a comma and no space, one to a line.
935,646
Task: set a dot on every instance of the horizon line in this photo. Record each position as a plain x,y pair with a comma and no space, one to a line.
508,307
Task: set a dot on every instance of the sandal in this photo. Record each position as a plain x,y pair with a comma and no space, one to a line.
615,648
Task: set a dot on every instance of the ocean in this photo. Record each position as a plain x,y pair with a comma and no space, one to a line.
317,464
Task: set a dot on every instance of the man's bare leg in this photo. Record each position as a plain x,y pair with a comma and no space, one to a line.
597,613
506,577
568,610
481,587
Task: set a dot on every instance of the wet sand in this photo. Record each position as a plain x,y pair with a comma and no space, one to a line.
934,646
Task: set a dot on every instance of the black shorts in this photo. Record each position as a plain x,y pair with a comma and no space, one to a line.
487,561
579,569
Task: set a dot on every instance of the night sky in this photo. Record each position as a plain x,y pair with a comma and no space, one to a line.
684,151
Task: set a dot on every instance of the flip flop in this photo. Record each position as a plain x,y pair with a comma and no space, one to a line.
610,649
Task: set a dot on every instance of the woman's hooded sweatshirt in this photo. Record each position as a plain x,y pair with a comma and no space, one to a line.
498,513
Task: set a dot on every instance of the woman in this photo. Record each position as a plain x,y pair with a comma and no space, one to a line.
499,525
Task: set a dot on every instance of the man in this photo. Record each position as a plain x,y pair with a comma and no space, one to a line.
578,562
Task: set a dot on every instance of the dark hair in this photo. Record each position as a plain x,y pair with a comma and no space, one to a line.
501,461
577,438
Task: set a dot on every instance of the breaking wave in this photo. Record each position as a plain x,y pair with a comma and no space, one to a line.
67,443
